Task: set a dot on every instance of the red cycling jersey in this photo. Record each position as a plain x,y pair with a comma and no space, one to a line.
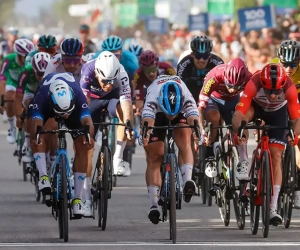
140,80
214,86
255,92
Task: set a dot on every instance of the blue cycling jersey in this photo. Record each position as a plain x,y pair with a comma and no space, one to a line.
40,106
128,60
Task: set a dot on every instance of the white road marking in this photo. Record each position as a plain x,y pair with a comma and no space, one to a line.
213,244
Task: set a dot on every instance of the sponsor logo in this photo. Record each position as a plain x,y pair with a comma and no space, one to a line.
81,177
84,105
207,86
124,80
37,158
152,105
60,94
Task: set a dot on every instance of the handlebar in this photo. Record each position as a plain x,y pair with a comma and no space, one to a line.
63,130
196,128
266,127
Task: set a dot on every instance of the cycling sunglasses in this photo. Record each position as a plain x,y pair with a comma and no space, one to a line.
290,64
231,86
148,70
272,91
204,56
50,51
71,59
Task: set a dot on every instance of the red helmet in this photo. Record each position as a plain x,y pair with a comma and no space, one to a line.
273,76
148,58
236,72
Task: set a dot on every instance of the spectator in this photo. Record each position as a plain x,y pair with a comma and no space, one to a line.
89,46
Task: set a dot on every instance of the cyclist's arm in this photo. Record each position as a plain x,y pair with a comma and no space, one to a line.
125,95
4,75
85,81
243,106
151,106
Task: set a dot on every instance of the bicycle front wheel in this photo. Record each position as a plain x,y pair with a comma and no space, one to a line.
289,177
172,215
104,190
266,194
63,200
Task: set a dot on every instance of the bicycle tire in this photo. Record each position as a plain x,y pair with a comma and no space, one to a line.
20,142
24,167
104,189
266,194
36,185
204,190
172,214
64,198
254,210
289,175
238,206
209,184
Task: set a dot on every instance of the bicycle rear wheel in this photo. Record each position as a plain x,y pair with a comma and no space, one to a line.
63,200
172,214
289,177
104,190
35,173
266,193
254,210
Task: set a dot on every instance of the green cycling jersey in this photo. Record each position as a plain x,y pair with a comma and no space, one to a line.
28,83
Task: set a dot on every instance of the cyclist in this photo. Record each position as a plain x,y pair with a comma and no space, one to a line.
29,79
69,60
168,98
12,64
289,58
219,96
193,68
60,95
114,44
136,49
150,68
270,95
7,46
45,43
106,86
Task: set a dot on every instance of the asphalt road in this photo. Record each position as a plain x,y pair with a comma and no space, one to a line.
26,224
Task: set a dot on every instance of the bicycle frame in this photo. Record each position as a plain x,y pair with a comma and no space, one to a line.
62,150
261,147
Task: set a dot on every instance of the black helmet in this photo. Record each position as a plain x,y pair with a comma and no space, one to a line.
201,44
289,51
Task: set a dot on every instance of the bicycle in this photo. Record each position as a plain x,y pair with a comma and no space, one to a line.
61,186
261,176
112,144
225,187
102,180
170,192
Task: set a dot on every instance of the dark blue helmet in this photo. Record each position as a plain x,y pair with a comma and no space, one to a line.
71,47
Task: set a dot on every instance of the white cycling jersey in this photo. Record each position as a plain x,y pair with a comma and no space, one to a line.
151,106
56,65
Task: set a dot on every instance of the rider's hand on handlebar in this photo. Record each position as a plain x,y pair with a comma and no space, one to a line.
87,145
293,142
144,141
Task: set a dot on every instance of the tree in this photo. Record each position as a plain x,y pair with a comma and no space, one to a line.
7,7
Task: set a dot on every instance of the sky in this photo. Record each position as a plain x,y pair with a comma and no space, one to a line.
23,6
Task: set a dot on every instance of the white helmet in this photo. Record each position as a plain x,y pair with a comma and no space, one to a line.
107,66
40,61
61,97
23,46
89,56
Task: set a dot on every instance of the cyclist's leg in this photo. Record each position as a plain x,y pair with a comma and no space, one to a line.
182,139
26,149
226,113
40,155
276,145
96,106
154,157
212,115
120,167
83,157
10,95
